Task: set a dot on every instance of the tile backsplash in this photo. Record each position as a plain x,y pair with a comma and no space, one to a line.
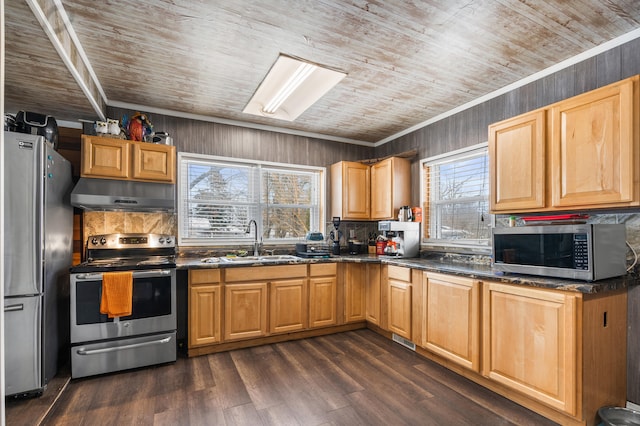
96,223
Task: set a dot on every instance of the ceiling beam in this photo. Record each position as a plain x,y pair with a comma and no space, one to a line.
54,21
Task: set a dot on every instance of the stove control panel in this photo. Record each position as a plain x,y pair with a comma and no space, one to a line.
123,241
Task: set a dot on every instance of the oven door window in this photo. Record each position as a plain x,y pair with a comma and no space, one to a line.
151,298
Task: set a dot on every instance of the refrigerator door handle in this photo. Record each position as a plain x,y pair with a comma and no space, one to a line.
13,308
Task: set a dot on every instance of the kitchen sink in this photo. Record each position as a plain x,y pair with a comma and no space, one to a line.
260,259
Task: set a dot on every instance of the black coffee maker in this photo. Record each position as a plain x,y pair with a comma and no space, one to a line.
335,236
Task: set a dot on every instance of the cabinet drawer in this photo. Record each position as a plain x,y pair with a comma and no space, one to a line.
399,273
202,276
264,273
321,269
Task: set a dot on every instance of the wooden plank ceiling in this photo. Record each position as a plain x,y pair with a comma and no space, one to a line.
407,61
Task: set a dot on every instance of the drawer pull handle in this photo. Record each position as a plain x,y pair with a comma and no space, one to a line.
122,348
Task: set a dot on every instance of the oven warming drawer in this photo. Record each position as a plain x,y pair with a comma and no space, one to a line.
124,354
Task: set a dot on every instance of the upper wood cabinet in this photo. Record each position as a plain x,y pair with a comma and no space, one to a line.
111,158
594,148
362,192
390,187
153,162
580,153
105,157
517,159
350,190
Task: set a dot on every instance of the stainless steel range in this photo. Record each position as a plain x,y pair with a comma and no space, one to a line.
100,344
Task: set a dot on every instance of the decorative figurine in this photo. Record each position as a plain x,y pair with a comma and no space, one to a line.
114,126
101,127
139,125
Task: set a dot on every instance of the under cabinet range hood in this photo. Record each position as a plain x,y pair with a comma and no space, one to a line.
113,194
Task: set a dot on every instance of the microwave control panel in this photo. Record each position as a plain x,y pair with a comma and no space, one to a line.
580,251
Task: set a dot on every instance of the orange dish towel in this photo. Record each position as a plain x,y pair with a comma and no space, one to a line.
117,294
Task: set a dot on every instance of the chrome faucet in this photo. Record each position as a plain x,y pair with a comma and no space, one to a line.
256,245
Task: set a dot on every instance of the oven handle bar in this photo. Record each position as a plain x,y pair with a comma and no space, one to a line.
122,348
136,274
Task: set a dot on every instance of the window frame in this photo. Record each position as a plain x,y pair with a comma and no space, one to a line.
464,245
257,165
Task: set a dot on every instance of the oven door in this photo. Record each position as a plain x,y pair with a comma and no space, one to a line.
153,306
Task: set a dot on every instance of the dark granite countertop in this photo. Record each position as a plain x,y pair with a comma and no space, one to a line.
442,264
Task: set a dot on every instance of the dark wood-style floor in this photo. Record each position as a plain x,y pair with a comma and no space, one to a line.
352,378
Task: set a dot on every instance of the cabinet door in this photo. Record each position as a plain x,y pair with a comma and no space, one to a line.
288,305
322,301
372,292
205,315
452,318
517,163
355,282
105,157
154,162
594,148
245,310
390,187
530,342
400,308
350,189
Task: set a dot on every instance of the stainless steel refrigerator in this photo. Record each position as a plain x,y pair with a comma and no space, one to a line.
38,248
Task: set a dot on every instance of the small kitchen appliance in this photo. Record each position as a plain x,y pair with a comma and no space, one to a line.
38,124
577,251
335,236
313,247
403,238
100,344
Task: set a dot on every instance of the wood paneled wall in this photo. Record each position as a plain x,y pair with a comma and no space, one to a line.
209,138
469,127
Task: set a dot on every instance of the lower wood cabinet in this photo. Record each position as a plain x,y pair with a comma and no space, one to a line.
451,325
530,342
254,294
399,301
559,353
564,349
245,310
373,295
288,305
205,307
355,283
322,295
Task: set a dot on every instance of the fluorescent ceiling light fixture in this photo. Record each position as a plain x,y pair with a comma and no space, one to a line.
291,86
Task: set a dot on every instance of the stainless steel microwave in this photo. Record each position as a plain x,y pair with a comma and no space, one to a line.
583,251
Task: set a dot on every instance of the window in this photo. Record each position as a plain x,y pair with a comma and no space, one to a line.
456,198
219,196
